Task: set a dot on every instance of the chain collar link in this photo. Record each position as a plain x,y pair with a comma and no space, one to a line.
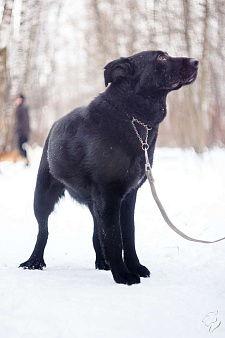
144,143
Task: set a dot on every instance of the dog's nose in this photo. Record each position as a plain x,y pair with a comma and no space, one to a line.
194,62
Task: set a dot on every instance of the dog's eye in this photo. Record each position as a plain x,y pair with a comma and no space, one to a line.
161,57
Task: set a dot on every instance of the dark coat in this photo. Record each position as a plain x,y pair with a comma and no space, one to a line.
22,120
95,154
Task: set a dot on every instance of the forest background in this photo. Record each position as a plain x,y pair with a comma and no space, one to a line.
54,51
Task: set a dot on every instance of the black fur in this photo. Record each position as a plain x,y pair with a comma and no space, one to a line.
94,153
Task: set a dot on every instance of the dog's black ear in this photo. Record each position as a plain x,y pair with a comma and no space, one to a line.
117,69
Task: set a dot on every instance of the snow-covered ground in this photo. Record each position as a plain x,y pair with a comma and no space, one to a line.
185,296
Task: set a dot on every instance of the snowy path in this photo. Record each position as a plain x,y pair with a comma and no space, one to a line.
71,299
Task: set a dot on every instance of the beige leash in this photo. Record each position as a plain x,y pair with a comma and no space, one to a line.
148,171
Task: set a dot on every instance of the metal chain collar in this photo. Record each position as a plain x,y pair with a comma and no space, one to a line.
144,144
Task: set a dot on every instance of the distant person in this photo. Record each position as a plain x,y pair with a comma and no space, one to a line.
22,125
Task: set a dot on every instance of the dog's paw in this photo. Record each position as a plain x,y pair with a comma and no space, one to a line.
36,264
141,271
102,265
127,278
136,267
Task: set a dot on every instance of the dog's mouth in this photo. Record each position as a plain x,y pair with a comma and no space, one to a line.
192,78
178,84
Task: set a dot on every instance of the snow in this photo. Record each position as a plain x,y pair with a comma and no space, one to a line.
185,295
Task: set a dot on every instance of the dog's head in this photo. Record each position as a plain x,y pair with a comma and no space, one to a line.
152,71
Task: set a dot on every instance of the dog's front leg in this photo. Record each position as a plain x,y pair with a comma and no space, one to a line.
127,225
107,214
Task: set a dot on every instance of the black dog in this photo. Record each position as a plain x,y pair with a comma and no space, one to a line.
95,154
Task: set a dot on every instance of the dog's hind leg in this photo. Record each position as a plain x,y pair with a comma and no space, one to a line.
47,193
100,262
127,225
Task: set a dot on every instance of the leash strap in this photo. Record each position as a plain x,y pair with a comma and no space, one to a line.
148,172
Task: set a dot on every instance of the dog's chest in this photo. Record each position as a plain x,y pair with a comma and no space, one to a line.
135,173
118,166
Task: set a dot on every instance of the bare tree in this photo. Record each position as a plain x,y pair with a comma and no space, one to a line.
28,57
